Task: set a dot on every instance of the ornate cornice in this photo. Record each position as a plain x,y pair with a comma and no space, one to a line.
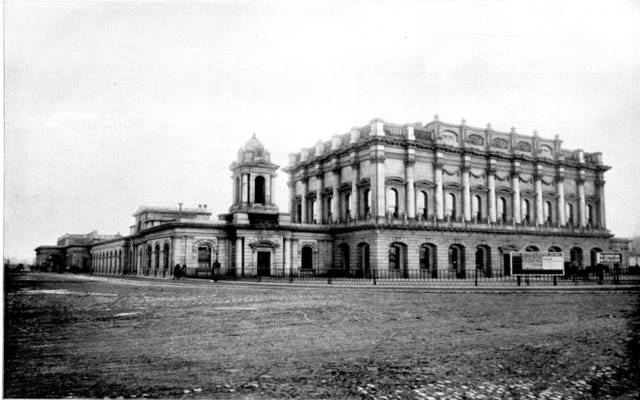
410,162
376,159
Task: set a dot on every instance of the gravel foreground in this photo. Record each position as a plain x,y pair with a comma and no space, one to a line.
72,336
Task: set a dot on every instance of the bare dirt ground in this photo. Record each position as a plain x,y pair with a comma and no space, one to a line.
75,336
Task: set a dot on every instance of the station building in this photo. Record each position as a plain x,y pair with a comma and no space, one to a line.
434,199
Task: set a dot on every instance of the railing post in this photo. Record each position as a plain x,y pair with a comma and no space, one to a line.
476,276
518,278
555,281
374,277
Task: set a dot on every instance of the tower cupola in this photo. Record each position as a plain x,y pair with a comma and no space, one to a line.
253,184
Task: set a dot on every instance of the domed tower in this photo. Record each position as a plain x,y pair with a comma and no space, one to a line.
253,185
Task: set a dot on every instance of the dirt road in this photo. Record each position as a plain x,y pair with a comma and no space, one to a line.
77,336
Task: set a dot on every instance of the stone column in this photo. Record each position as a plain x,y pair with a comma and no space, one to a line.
272,192
601,204
238,255
466,192
286,255
410,190
319,205
303,200
515,187
355,203
582,205
292,195
378,189
539,198
562,219
267,189
491,180
335,202
251,188
439,190
245,188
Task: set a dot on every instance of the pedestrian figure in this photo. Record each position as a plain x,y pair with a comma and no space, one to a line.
600,273
177,271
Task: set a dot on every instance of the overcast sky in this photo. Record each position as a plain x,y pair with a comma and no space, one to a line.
112,105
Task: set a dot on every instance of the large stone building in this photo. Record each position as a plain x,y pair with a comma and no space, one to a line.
435,200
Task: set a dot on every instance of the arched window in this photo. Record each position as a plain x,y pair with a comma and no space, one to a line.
526,210
531,249
392,202
423,208
456,260
575,255
307,257
157,264
398,258
344,256
450,206
548,215
204,256
166,262
555,249
476,208
428,258
149,255
363,259
258,190
367,202
570,213
237,191
483,259
502,209
314,212
347,205
594,256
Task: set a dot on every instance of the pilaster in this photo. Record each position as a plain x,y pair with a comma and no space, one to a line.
410,189
515,187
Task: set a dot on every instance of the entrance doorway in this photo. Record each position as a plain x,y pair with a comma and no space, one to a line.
363,257
456,260
264,263
307,258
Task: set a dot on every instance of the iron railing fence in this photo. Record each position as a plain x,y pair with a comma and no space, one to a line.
426,277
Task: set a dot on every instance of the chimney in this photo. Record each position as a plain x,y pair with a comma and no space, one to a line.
335,142
355,135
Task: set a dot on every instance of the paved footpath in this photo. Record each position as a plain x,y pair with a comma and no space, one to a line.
384,286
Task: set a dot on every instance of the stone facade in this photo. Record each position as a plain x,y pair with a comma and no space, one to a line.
431,199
